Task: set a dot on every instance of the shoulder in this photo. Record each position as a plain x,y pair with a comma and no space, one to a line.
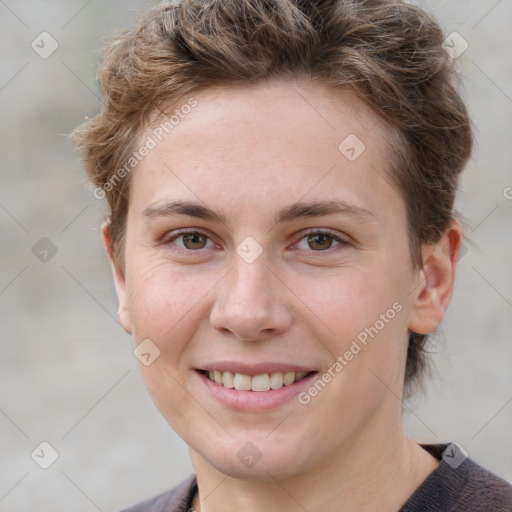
484,490
176,499
459,484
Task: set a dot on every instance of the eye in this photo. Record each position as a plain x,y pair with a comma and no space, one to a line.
190,240
194,241
319,241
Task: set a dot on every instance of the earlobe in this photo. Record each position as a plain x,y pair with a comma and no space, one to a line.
436,280
123,315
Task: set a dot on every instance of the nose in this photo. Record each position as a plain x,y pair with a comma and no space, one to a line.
251,302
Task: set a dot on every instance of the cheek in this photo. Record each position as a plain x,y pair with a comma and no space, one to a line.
164,304
165,307
363,319
351,301
158,300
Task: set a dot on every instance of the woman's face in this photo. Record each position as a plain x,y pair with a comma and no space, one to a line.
295,259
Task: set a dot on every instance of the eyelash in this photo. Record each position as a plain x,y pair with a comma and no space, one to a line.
166,240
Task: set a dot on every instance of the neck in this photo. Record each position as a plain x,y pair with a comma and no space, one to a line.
369,473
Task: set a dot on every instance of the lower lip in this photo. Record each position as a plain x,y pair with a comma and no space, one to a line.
255,400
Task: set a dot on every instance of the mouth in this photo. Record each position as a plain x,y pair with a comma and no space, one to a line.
257,383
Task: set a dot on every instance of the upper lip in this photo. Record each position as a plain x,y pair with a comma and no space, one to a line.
254,369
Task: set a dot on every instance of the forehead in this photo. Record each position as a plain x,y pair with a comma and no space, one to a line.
279,107
298,137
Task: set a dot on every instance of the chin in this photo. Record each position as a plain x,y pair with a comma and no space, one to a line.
259,459
279,467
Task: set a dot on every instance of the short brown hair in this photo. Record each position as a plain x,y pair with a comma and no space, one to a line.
388,52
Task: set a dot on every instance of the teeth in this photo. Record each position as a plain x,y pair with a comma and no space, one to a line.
242,382
288,378
263,382
300,375
228,380
276,380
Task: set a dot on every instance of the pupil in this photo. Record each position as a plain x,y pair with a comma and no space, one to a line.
191,237
320,240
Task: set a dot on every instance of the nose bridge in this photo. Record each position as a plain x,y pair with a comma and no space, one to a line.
249,302
250,281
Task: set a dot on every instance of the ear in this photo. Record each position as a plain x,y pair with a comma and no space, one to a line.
123,315
436,280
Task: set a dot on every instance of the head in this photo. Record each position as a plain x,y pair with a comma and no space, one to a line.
265,115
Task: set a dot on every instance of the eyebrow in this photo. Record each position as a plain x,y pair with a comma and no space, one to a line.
295,211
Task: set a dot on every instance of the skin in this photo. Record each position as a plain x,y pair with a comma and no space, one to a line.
246,153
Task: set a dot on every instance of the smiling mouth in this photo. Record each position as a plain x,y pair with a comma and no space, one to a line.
262,382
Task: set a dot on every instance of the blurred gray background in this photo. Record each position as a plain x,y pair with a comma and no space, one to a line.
68,375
